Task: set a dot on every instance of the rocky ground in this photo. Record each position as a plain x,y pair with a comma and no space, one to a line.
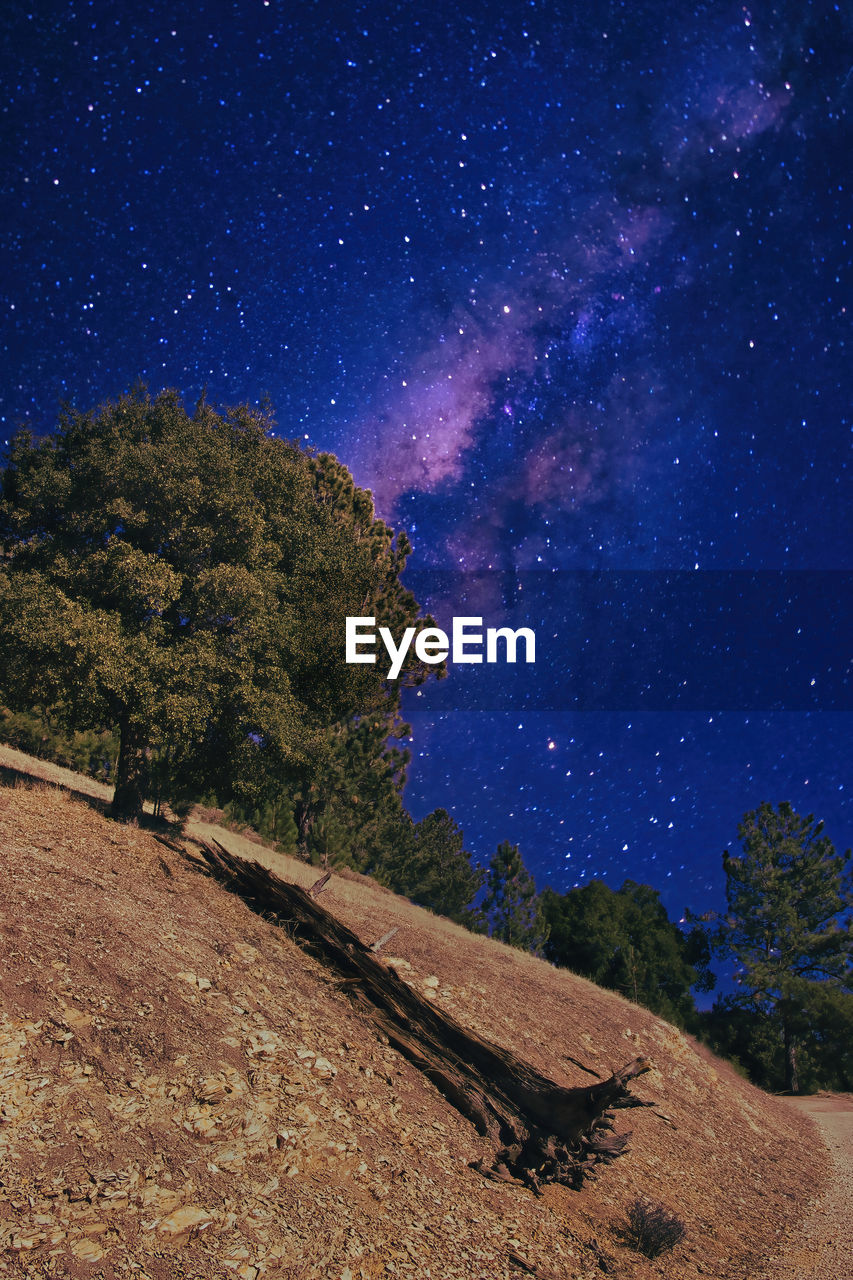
183,1092
820,1244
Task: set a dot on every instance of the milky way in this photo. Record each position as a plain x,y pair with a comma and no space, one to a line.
563,284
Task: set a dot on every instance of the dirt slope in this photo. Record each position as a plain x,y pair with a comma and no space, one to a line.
184,1093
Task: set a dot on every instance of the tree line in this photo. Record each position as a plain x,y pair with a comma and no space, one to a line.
173,591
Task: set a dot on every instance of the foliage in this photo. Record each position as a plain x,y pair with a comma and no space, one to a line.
432,867
40,733
752,1039
511,903
624,939
748,1038
349,811
652,1229
828,1049
788,927
185,579
273,821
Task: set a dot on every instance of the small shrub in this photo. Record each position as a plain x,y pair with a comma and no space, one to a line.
652,1229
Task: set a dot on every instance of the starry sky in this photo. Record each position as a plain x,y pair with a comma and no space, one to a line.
567,287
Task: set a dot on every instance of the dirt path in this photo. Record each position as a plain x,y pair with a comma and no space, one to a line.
821,1247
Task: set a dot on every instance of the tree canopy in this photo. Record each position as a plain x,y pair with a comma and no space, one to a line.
185,578
431,865
788,925
511,904
624,939
350,812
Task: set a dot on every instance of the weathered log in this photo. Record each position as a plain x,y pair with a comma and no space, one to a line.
540,1132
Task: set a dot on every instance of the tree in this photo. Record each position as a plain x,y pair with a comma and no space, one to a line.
350,807
624,939
433,868
788,926
38,733
735,1028
511,902
185,579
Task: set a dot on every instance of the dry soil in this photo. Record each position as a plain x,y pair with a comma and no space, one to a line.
185,1093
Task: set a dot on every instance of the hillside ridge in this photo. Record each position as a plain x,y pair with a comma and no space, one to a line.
185,1091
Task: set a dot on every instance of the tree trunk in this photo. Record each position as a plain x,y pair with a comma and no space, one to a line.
792,1079
539,1131
131,772
303,816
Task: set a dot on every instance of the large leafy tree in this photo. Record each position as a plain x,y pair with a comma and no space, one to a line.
186,579
624,939
788,925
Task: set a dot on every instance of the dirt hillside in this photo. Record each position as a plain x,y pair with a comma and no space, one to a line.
184,1092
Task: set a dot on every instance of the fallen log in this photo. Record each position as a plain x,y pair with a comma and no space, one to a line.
540,1132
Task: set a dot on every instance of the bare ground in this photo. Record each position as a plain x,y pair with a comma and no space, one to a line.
183,1092
821,1243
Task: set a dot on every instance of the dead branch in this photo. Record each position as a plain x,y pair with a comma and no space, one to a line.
319,885
386,937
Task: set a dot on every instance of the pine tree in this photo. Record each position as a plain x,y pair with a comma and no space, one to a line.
511,902
349,807
788,923
624,939
433,868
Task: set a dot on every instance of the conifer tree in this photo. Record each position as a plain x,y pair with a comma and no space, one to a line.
355,791
434,869
511,902
788,924
624,939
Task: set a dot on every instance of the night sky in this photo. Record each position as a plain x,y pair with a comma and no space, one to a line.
567,286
